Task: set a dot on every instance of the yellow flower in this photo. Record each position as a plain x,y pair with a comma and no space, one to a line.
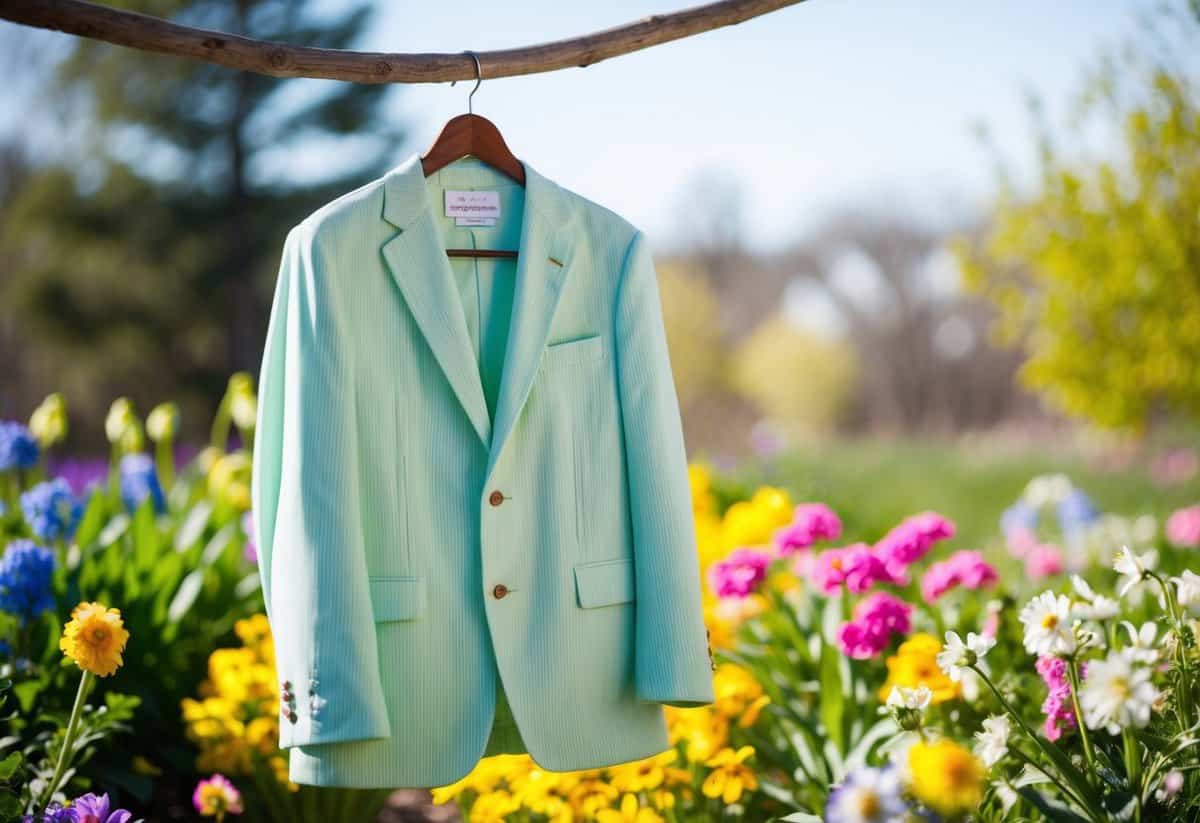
49,421
630,812
94,638
702,730
738,695
493,807
729,776
591,796
649,773
946,777
229,479
915,664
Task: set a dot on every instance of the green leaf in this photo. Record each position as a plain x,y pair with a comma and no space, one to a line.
114,529
192,528
10,805
91,522
186,596
9,765
1054,812
833,696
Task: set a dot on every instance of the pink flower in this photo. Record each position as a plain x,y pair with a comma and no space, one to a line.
911,540
857,567
963,568
1057,706
1183,527
216,797
876,619
739,573
811,522
1043,560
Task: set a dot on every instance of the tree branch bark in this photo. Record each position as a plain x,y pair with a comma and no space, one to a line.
154,34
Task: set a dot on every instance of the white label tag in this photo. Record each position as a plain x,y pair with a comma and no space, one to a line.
472,204
474,221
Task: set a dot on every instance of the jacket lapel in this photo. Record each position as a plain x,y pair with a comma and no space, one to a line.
420,267
419,264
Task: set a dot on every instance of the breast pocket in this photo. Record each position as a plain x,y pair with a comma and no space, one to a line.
576,372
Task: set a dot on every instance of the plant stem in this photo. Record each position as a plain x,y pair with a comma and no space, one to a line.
68,739
1088,751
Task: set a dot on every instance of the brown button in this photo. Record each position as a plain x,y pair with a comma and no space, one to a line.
499,590
496,497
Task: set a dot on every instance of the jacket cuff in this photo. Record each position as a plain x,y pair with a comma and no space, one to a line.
307,717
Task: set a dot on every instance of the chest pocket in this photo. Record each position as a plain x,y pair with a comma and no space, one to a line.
575,372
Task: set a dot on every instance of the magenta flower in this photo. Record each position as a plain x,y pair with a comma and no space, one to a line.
856,567
1059,715
876,619
964,568
811,522
911,540
216,796
1183,527
1043,560
739,573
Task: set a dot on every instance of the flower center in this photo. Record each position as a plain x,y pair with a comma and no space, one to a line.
1120,688
959,772
1050,621
868,805
836,564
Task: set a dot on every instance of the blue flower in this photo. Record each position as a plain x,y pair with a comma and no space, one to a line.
18,448
1020,516
1076,511
26,573
52,510
139,480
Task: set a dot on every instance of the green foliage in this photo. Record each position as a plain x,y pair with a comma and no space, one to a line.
1095,274
141,261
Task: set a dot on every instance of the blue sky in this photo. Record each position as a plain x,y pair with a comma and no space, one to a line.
814,106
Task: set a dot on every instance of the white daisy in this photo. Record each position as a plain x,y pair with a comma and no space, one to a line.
1092,606
1132,568
1116,694
1047,625
993,740
1187,591
1142,647
956,657
902,697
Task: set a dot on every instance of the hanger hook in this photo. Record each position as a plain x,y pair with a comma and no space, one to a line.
478,79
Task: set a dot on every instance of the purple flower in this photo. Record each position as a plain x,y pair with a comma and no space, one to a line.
26,574
82,474
52,510
18,448
54,813
739,573
89,808
139,480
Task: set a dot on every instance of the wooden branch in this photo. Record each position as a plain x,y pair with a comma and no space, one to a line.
154,34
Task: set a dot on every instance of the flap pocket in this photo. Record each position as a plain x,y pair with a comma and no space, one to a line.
397,598
604,582
580,350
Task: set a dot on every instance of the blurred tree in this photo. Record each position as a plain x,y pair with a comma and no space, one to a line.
800,380
141,260
1098,273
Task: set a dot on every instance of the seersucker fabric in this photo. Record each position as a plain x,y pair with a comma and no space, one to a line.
470,488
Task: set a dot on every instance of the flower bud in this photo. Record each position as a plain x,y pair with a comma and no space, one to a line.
162,424
122,426
243,402
48,424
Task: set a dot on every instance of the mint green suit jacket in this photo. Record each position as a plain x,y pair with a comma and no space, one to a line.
470,489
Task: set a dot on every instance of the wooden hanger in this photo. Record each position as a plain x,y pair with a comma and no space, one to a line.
471,134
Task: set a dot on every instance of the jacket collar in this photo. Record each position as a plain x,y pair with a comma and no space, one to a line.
421,269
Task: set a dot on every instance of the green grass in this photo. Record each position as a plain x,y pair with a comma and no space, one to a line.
873,484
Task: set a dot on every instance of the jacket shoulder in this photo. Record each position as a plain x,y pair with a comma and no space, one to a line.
610,235
342,215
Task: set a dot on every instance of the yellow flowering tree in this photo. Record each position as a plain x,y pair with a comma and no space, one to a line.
1095,275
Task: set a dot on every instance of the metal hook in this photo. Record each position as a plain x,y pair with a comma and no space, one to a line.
478,79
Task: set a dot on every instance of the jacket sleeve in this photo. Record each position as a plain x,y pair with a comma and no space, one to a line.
672,664
311,557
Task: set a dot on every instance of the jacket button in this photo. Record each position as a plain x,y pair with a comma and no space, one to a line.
496,497
499,590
